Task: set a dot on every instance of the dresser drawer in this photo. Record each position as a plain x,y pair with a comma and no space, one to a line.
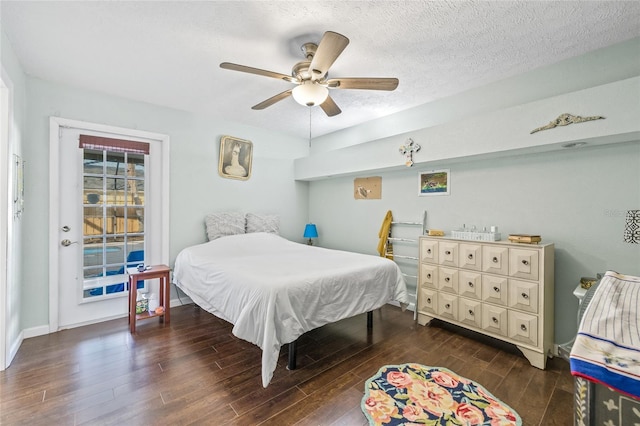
428,302
523,327
448,279
495,289
523,295
428,251
470,284
470,312
448,253
448,306
494,319
523,263
470,256
495,260
428,276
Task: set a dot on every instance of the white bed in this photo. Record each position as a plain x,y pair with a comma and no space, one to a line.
273,290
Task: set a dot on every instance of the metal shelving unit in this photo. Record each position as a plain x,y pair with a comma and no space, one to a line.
407,254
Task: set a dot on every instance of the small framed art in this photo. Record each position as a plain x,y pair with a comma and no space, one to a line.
235,158
369,188
434,182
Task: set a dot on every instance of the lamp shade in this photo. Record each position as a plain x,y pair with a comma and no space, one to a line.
309,93
310,231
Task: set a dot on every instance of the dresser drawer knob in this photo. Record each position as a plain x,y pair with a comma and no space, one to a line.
447,279
525,295
523,327
496,289
448,305
471,312
470,256
428,300
428,251
495,260
470,284
429,276
447,252
494,319
525,262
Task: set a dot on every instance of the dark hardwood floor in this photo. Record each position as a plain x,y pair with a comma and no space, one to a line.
194,371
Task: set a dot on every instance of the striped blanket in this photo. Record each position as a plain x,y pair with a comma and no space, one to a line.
607,347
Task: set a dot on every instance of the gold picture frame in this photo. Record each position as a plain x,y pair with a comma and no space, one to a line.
235,158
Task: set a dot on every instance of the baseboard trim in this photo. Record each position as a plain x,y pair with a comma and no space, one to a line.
41,330
35,331
13,350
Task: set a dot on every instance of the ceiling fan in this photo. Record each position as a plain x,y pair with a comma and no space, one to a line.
311,78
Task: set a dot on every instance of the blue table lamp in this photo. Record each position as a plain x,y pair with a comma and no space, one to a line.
310,231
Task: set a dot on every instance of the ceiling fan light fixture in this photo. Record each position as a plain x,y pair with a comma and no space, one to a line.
309,93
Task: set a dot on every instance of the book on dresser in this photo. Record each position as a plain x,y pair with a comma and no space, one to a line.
501,289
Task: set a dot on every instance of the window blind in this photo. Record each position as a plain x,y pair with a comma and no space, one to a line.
115,145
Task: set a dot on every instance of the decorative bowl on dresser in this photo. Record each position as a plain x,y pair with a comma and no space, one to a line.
500,289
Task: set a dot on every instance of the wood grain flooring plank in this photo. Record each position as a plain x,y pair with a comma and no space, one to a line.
264,411
536,396
559,411
353,417
331,411
313,402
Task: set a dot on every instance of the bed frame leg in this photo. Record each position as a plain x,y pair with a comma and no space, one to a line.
292,355
370,319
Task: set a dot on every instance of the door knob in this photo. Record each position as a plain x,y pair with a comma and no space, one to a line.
67,243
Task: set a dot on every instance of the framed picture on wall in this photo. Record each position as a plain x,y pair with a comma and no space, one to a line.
434,182
235,158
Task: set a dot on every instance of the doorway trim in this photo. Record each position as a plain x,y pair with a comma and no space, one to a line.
55,123
6,259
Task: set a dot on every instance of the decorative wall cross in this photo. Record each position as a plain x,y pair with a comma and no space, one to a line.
407,150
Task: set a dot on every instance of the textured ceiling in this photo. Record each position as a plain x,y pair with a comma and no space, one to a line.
168,53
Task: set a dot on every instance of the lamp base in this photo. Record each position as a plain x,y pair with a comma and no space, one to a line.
309,243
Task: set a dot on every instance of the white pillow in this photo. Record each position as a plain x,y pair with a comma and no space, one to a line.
223,224
263,223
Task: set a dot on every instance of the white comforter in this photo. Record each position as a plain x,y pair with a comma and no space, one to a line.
274,290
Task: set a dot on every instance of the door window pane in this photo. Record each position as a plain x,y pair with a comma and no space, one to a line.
113,220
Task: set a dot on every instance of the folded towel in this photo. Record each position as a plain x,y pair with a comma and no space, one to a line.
607,347
383,234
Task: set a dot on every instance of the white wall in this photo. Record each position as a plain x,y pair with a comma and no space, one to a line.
574,198
195,186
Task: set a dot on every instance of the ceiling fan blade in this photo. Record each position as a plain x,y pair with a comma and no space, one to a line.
363,83
272,100
329,107
258,71
329,48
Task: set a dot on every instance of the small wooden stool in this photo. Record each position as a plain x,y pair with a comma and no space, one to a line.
154,271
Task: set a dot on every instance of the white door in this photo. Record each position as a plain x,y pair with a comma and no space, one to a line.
104,224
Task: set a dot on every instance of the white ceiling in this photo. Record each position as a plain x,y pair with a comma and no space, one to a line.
168,53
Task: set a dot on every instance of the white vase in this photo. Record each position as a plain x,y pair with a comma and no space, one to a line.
153,302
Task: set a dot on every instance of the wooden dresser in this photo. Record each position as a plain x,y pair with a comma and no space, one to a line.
501,289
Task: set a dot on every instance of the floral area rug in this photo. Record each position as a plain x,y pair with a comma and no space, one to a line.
413,394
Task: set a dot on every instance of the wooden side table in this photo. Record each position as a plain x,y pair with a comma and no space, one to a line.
154,271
